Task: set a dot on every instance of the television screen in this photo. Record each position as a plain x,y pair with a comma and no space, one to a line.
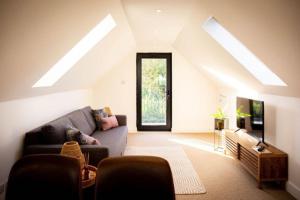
251,117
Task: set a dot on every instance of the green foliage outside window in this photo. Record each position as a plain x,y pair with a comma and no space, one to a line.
154,90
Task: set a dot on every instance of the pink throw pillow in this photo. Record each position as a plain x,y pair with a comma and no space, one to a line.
109,122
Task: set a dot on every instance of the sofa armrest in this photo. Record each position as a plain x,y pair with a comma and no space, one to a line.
122,120
42,149
96,152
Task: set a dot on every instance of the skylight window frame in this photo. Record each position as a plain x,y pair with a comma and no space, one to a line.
77,52
241,53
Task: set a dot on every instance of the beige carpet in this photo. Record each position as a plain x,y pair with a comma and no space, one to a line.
224,178
186,180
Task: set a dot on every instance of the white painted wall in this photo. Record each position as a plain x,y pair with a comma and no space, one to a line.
282,129
282,119
116,89
20,116
195,98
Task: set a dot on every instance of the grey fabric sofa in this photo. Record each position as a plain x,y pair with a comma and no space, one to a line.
113,141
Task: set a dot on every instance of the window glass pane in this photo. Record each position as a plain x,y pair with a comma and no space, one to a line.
154,84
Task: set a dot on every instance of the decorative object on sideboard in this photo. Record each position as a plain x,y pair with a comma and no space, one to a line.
220,117
72,149
240,117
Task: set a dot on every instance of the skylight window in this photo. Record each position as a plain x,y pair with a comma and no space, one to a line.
243,55
77,52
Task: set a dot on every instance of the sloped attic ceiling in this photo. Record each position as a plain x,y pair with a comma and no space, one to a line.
157,22
270,29
36,34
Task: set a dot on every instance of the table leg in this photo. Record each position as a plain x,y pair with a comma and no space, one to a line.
259,185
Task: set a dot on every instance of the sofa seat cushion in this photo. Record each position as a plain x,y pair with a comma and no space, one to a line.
115,139
79,120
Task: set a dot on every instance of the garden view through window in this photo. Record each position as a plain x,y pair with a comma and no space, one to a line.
154,91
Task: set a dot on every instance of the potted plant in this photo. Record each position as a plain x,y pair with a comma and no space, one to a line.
219,119
240,117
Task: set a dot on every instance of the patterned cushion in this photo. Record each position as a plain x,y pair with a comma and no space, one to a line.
73,134
98,114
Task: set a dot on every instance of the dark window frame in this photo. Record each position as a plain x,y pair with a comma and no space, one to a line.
168,126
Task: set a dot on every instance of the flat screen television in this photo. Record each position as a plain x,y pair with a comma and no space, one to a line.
253,124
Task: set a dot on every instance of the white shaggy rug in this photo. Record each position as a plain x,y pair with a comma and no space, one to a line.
186,180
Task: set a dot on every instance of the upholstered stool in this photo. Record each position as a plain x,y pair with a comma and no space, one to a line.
45,177
134,177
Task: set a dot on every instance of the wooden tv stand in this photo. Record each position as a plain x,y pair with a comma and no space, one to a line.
268,165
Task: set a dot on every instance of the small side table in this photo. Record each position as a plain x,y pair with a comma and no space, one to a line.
92,177
219,140
88,185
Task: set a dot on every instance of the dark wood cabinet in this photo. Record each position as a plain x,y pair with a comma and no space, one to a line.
269,165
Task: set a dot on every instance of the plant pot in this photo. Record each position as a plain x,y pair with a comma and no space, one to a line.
219,124
240,122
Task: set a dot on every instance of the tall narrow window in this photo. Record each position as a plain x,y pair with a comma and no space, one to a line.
154,95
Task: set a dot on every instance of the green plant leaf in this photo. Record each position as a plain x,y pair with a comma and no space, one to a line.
219,114
241,114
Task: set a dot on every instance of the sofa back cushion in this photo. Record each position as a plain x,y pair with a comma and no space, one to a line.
55,132
33,137
51,136
80,121
50,133
88,113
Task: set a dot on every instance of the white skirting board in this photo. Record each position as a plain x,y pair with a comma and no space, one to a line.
293,189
